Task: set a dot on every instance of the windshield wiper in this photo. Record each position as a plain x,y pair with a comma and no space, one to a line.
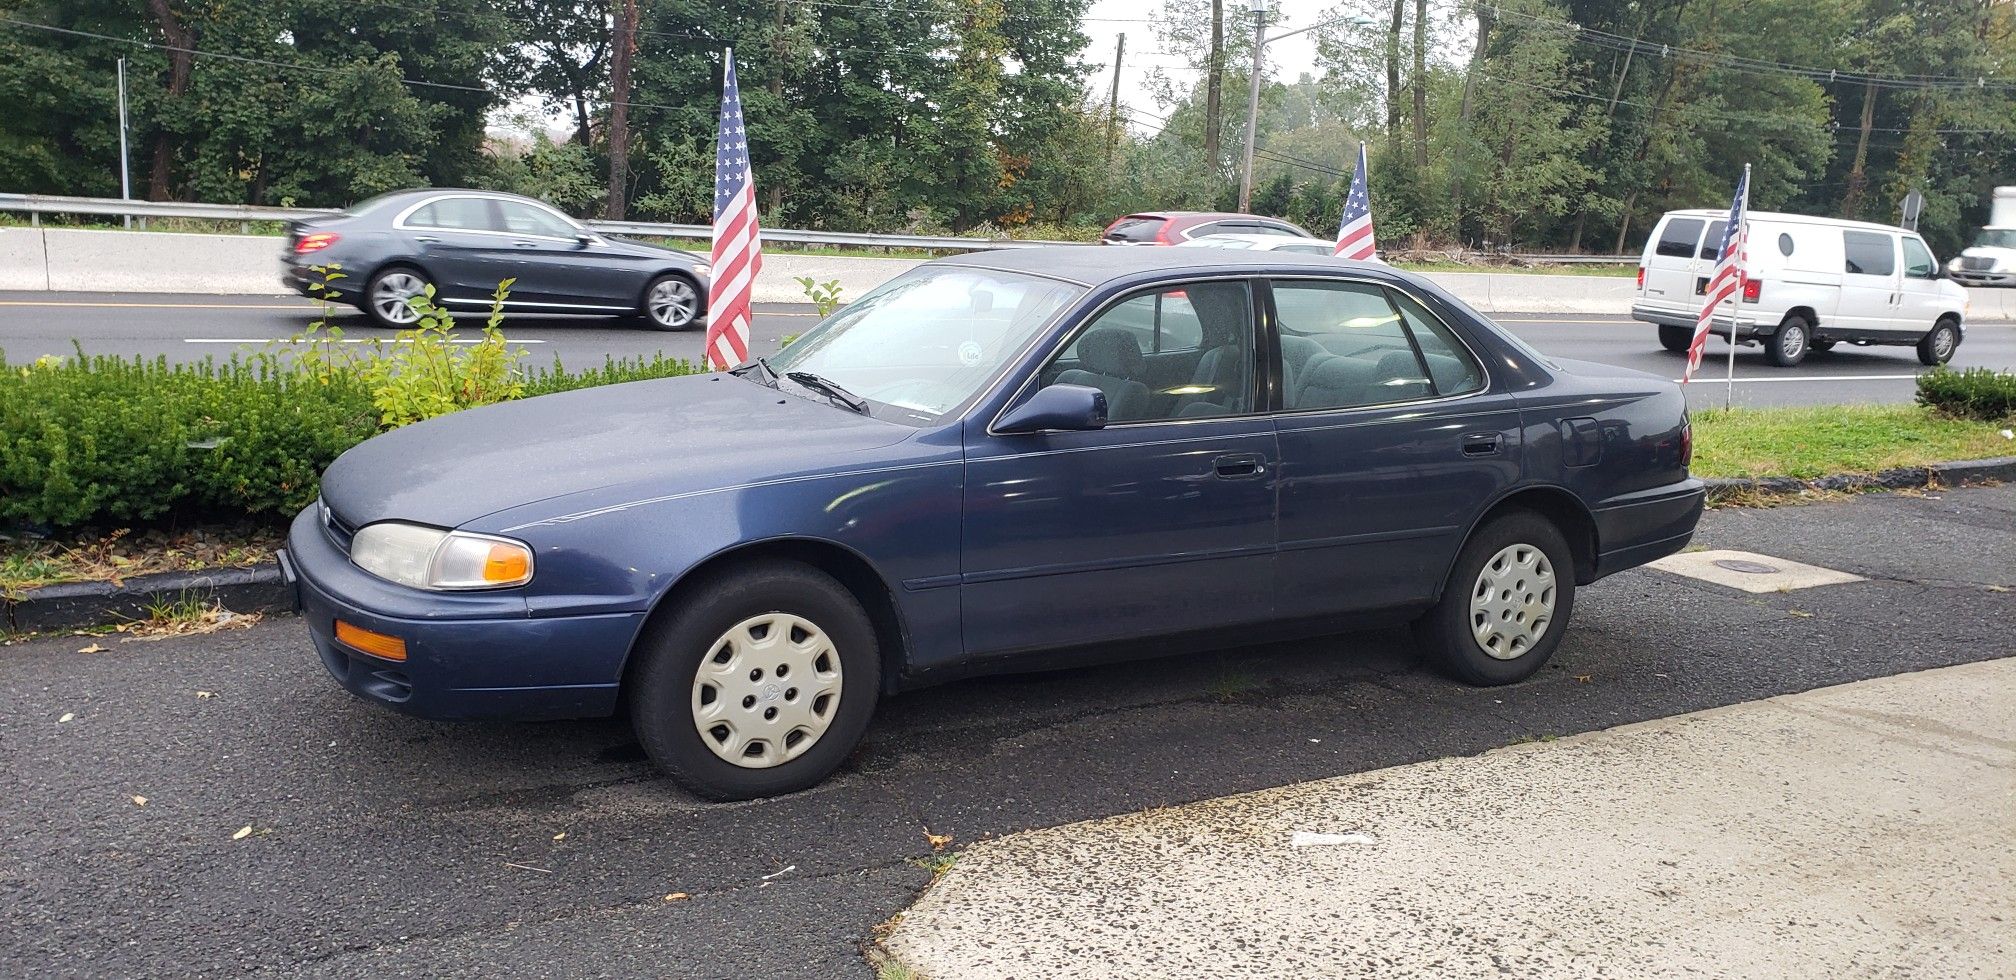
829,389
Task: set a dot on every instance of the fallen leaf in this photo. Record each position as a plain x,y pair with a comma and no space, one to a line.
139,801
1585,678
677,897
67,715
93,648
243,832
206,695
1801,613
937,841
560,836
1998,588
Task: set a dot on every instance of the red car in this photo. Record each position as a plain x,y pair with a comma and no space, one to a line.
1176,227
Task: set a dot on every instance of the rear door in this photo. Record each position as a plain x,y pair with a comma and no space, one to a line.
455,238
1670,263
1869,282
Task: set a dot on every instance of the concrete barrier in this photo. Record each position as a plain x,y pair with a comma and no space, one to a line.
69,260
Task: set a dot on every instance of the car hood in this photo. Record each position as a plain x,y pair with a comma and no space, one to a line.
674,435
1988,252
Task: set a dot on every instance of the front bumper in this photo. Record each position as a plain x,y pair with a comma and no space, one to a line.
1967,278
468,655
1746,326
1648,525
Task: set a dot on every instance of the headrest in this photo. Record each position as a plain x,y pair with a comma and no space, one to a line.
1110,351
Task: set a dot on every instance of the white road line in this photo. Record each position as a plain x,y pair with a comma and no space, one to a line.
346,340
1821,377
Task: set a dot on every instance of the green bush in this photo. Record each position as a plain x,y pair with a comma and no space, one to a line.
1975,393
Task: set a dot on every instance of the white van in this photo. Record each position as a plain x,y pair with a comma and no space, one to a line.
1813,283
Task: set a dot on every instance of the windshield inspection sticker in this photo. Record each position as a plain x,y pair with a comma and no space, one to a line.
970,353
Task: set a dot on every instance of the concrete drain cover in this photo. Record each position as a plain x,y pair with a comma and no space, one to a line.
1750,572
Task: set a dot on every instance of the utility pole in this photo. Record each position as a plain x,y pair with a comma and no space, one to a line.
1113,105
125,177
619,109
1259,9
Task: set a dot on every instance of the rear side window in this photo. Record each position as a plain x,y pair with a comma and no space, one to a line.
1449,362
1711,243
1363,350
1134,229
1679,238
1868,253
1918,262
462,213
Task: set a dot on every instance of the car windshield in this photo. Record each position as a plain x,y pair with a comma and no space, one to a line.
924,344
1996,238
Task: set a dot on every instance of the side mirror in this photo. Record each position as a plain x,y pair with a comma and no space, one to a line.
1060,407
584,238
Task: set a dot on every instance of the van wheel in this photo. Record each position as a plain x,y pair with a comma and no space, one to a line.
1937,347
1788,346
761,682
1506,603
1675,339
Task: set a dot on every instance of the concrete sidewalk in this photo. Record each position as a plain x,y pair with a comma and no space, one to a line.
1856,831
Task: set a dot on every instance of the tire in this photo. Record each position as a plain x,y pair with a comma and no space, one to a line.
1675,339
1504,555
394,282
670,302
1788,346
1937,347
1823,346
739,615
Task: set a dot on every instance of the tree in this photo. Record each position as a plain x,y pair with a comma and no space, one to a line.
625,46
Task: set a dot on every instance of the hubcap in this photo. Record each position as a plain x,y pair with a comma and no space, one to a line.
1791,339
1942,342
672,303
1512,604
767,690
393,299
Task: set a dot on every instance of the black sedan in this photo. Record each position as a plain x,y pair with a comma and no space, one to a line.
464,242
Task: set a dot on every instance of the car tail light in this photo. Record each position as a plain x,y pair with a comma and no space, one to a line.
316,242
1162,235
1752,289
376,644
1641,277
1686,443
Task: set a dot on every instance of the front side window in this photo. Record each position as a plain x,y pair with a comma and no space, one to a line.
454,214
1869,253
924,344
524,219
1678,238
1177,352
1918,262
1348,345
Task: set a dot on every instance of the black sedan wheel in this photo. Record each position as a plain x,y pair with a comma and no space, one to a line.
388,297
1506,603
671,302
761,682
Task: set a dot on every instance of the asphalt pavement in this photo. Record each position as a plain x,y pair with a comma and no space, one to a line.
189,328
384,846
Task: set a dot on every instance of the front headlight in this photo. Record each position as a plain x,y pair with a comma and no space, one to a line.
430,558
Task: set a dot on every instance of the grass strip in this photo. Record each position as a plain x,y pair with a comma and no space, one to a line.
1820,441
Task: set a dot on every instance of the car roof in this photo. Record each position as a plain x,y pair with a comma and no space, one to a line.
1271,241
1794,219
1095,265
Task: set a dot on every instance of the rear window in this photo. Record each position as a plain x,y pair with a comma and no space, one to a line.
1868,253
1711,243
1135,229
1678,238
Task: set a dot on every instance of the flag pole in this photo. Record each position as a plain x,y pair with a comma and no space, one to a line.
1736,301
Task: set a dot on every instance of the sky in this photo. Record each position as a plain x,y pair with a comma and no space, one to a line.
1107,19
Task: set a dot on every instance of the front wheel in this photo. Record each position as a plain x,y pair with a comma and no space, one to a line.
1788,346
1675,339
1937,347
671,302
1506,603
760,682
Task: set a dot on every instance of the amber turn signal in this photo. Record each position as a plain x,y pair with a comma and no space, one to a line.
365,641
507,563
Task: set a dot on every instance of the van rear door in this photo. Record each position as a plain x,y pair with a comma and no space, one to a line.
1670,263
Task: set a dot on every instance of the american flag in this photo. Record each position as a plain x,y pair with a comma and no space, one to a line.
1354,236
1727,279
738,243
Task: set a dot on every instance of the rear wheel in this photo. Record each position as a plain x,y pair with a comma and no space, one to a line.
1675,339
388,297
1506,603
1788,346
760,682
1938,346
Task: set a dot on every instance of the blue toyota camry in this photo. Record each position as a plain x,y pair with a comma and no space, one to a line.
1000,461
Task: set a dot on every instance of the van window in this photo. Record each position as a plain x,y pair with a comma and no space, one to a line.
1679,237
1784,244
1711,243
1869,253
1918,262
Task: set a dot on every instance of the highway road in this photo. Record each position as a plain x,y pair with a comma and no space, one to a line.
192,327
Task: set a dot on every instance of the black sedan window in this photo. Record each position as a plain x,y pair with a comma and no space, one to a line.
455,213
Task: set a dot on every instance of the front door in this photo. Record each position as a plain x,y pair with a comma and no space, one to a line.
1391,445
1160,523
1869,282
1922,299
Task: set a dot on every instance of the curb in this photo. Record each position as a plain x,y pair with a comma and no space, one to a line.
76,605
1941,474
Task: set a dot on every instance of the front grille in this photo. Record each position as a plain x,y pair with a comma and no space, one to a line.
340,532
1976,263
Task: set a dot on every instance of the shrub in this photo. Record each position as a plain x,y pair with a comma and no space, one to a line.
1975,393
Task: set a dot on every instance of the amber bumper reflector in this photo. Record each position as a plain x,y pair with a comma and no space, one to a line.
376,644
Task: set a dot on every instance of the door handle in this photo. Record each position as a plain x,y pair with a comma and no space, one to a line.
526,244
427,240
1239,466
1482,444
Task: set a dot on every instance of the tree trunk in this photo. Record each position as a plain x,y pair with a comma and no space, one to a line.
1214,84
179,60
776,188
1419,83
1858,177
1463,115
619,110
1393,72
